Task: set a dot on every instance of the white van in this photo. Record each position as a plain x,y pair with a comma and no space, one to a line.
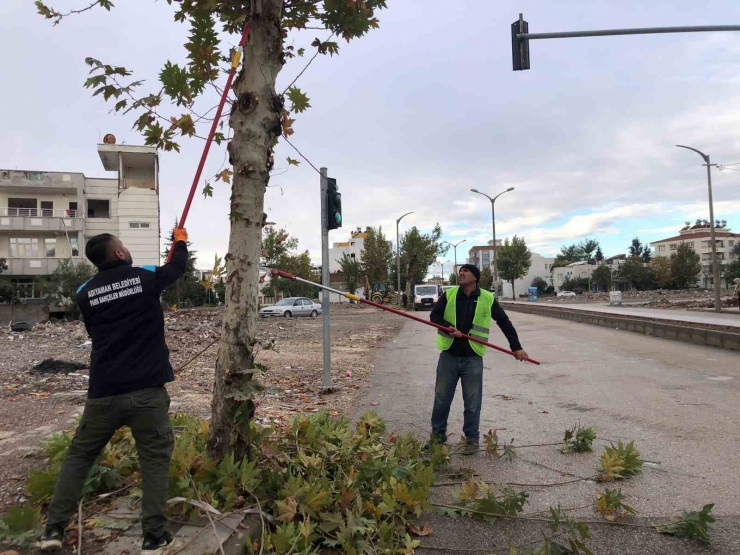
425,296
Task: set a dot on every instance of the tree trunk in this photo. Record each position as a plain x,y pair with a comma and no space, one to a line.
513,291
256,123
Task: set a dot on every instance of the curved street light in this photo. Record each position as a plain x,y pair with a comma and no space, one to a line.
398,260
454,246
493,223
715,261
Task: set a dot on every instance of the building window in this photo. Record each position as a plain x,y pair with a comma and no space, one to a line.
47,208
661,248
50,247
24,247
138,225
97,208
72,212
26,288
673,246
74,246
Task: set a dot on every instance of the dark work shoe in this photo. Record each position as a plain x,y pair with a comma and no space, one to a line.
157,546
435,439
52,539
470,448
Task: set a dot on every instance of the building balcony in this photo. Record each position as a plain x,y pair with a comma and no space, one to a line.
34,266
14,181
37,219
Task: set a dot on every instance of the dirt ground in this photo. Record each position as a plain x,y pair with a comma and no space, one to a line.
35,403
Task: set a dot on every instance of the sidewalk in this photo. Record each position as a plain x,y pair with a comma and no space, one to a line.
725,318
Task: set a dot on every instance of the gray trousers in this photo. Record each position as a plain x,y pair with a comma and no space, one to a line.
146,412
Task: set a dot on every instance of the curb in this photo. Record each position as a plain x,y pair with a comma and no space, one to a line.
677,332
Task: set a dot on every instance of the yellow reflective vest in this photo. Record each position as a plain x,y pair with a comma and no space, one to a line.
481,320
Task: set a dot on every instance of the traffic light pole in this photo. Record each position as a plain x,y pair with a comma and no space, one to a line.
520,36
326,383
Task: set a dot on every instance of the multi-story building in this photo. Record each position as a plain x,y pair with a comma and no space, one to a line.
482,255
699,237
352,248
46,217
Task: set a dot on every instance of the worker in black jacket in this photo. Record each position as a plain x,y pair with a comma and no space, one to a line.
468,310
128,369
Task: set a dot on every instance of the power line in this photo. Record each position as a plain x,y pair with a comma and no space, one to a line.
318,51
301,155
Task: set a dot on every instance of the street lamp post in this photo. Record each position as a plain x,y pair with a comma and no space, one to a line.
398,260
715,261
454,246
493,224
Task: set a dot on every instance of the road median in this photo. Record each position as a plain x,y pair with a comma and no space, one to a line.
725,337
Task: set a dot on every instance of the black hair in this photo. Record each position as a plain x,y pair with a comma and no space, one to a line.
98,249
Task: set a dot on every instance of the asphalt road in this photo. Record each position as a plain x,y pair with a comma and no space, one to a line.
678,402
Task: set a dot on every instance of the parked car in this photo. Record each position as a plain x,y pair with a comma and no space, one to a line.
566,294
446,287
292,306
425,296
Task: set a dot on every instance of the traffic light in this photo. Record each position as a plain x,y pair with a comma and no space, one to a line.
520,46
333,205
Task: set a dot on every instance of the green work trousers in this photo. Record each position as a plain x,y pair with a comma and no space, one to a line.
146,412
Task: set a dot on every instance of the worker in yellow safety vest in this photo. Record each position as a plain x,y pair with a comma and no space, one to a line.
465,309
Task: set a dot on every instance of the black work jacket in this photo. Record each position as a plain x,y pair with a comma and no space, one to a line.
123,315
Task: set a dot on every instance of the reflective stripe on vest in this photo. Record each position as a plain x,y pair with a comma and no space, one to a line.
481,320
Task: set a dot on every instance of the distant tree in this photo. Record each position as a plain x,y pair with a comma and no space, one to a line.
351,270
418,252
209,284
514,261
61,286
685,266
452,279
277,249
602,277
633,271
662,272
578,284
636,248
732,270
486,278
588,247
540,284
376,256
647,254
3,265
598,256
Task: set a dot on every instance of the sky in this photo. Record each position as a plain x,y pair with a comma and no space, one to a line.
415,114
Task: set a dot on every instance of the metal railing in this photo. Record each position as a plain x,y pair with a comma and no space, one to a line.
39,213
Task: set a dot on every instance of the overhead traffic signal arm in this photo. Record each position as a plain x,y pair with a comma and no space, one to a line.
520,36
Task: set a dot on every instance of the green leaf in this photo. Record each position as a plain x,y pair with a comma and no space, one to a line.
218,137
692,525
292,162
175,83
121,105
299,100
301,52
207,190
95,81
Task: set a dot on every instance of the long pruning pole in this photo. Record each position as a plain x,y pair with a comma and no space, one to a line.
279,273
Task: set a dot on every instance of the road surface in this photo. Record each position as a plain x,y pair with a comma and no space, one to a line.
678,402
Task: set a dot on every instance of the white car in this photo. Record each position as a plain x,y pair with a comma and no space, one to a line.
292,306
566,294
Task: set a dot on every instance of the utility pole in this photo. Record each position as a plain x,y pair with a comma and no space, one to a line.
326,383
399,299
715,260
493,223
454,246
